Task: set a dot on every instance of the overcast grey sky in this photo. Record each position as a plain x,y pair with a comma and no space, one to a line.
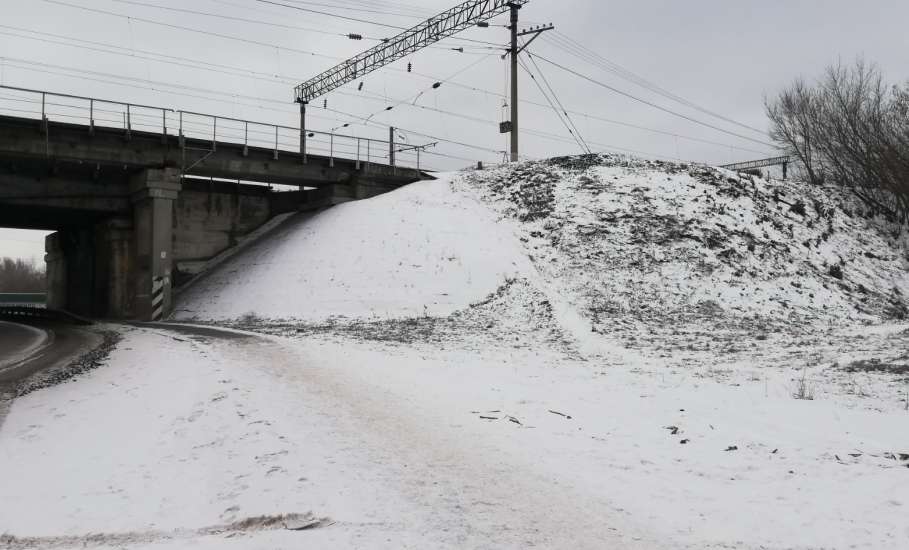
720,55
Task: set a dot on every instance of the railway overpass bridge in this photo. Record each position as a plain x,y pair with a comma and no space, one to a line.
134,193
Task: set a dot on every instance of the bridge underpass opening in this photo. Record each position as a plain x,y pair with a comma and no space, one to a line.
22,271
117,247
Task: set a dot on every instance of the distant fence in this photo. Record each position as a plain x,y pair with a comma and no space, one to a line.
26,313
26,300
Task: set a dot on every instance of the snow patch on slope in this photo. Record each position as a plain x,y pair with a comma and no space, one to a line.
420,250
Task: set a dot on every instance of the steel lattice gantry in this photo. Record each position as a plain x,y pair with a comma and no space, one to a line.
426,33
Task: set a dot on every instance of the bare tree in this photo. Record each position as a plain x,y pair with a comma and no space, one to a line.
850,128
17,275
793,116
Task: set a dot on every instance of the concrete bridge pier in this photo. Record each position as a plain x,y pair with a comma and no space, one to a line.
55,265
153,194
114,280
70,270
120,267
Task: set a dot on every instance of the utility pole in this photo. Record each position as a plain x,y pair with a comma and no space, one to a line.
512,126
391,146
514,80
303,130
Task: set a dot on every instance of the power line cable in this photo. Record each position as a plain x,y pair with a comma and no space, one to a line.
650,103
338,16
504,96
255,21
576,132
249,73
573,47
386,25
367,9
189,29
434,86
554,109
130,82
232,18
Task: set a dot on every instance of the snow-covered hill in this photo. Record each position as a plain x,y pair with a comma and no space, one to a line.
658,242
613,243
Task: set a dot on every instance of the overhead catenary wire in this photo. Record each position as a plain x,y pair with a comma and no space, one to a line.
230,98
322,55
558,114
566,43
576,133
338,16
504,96
650,103
537,133
209,65
280,79
345,35
356,19
232,18
189,29
435,85
416,133
413,12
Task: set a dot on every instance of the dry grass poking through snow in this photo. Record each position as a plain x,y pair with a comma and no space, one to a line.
635,241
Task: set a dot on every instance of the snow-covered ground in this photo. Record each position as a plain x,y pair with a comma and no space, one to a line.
583,353
407,446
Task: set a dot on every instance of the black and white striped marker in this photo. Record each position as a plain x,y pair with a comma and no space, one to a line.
158,299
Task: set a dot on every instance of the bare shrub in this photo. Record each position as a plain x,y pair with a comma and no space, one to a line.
250,318
803,388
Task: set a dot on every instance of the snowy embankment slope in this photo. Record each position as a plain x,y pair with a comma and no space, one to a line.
580,353
628,239
619,240
417,251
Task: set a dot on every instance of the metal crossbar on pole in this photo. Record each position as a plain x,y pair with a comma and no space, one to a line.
447,23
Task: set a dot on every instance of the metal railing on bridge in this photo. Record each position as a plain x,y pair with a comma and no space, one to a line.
130,117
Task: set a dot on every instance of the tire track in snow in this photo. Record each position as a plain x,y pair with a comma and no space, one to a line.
473,493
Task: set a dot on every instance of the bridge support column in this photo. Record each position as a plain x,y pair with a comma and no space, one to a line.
55,261
153,195
113,262
77,245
